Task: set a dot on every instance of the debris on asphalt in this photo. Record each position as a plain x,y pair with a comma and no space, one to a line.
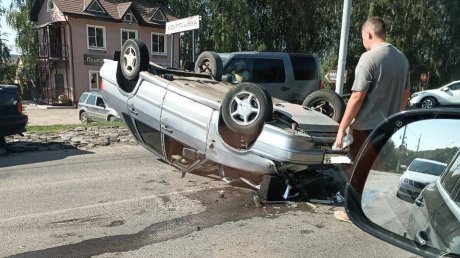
221,194
342,216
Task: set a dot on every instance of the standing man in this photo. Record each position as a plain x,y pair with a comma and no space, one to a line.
380,89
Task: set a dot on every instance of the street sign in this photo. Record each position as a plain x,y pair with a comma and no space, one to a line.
189,23
331,76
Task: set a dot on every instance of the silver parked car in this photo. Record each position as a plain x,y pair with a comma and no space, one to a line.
195,122
447,95
92,107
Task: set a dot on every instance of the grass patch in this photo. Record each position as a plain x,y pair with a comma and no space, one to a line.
58,128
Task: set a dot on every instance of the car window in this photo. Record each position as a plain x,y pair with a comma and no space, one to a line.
99,102
83,97
304,67
455,86
451,178
235,65
426,167
268,71
91,100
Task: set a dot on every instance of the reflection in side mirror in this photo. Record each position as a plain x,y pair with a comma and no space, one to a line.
420,201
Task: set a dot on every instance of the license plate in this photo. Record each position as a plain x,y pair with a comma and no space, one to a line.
336,159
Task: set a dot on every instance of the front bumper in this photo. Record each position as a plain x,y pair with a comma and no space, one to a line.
10,125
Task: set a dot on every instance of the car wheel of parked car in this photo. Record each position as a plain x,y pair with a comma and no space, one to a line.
134,58
84,117
209,63
428,102
327,102
111,119
245,108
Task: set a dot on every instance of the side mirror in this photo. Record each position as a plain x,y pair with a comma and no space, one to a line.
416,210
227,78
402,167
445,89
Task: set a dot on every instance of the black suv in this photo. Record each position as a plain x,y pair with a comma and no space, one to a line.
12,120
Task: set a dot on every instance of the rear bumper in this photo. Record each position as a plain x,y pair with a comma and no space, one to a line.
10,125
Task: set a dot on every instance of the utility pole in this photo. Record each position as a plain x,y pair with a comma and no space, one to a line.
400,149
418,144
343,46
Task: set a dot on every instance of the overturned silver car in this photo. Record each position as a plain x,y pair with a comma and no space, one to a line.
195,122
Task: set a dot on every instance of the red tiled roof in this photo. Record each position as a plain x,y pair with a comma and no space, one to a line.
115,9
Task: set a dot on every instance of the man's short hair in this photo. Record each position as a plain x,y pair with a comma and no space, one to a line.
377,25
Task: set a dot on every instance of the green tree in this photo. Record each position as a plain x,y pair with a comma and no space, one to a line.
7,70
18,18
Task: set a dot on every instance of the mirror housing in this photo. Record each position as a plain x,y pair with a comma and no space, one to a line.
363,164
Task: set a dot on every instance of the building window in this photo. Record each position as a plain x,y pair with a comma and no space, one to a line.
96,37
49,6
158,44
95,6
129,17
159,17
94,80
127,34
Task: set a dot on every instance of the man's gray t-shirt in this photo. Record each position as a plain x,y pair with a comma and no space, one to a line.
383,72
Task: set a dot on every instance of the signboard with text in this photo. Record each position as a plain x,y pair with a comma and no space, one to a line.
331,76
190,23
96,60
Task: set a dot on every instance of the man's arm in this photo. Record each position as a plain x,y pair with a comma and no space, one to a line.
353,106
405,99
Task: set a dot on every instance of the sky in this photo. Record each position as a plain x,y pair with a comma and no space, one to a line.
9,39
430,134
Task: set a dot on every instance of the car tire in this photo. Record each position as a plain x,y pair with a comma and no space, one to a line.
327,102
245,108
209,63
84,117
134,58
111,119
428,102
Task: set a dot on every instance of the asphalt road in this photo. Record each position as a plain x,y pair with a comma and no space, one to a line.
122,202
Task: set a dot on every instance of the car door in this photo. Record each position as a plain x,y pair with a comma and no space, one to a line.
100,112
435,217
144,108
185,119
455,91
90,106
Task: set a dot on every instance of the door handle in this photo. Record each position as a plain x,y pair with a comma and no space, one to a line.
419,201
421,238
133,110
167,129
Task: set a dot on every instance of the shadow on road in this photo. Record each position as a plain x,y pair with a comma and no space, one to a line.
24,157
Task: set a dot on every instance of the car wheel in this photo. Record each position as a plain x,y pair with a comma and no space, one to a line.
84,117
327,102
428,102
245,108
111,119
209,63
134,58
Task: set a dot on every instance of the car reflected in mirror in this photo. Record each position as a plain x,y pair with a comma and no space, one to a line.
414,206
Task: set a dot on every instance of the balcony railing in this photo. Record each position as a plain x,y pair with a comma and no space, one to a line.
53,51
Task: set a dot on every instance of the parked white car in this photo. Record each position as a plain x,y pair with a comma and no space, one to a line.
419,174
447,95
